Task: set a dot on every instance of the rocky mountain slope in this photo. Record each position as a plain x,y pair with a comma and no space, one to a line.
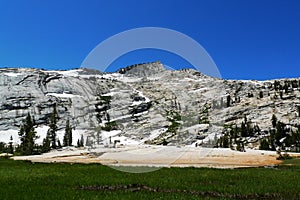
146,103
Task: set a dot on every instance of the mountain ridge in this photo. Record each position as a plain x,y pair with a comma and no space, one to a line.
181,107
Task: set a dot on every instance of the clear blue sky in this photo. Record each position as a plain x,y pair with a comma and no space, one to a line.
247,39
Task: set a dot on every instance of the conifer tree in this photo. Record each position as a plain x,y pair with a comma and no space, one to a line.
297,138
70,134
58,144
46,143
53,127
261,94
2,147
81,141
264,145
11,149
281,94
280,132
228,101
272,139
244,130
107,117
274,121
67,141
27,136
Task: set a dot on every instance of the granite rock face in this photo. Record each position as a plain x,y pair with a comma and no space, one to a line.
145,102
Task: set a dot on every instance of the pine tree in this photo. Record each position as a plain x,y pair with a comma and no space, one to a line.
53,127
245,119
235,133
2,147
286,87
58,143
274,121
11,149
21,134
81,141
272,139
225,141
244,130
27,136
264,145
238,146
280,132
107,117
67,141
228,101
46,143
98,136
276,85
281,94
261,94
70,134
297,138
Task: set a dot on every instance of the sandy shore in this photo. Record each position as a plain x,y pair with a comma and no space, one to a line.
160,156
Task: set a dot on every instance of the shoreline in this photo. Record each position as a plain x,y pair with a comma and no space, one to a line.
161,156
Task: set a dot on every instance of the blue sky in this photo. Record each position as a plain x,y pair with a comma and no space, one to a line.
247,39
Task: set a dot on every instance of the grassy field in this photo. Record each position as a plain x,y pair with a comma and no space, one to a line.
25,180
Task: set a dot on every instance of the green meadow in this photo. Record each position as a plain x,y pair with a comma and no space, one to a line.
26,180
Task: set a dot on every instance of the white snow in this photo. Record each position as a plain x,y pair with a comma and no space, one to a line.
63,95
109,137
121,117
73,72
125,140
111,76
107,134
11,74
113,93
142,95
87,76
210,137
193,80
135,103
5,136
139,93
204,89
41,133
126,79
140,114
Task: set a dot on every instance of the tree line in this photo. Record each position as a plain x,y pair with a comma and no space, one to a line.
281,136
28,137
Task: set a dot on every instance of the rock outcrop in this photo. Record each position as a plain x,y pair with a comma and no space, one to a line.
145,102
